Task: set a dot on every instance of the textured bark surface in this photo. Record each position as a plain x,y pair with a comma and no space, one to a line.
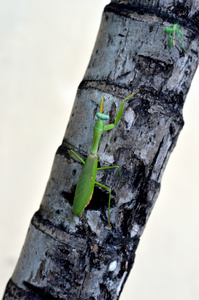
67,257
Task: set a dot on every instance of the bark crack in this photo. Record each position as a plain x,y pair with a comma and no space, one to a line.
137,11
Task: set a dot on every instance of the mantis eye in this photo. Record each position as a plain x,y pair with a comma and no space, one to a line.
102,116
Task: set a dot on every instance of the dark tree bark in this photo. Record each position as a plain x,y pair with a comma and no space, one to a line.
67,257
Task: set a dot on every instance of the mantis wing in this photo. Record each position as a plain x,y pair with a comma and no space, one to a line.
85,185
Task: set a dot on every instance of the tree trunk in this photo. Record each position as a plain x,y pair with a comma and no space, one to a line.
69,257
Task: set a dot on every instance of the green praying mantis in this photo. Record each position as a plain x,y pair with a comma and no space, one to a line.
85,186
175,33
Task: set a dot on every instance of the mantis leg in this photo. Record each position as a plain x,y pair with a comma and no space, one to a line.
109,200
119,114
71,151
112,167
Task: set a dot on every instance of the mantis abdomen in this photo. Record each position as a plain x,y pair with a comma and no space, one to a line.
85,185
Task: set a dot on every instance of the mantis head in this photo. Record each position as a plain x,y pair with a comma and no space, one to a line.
102,116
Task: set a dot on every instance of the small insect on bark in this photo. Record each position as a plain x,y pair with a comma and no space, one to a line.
86,182
175,33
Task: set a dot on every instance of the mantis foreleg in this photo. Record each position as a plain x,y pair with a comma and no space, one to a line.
119,114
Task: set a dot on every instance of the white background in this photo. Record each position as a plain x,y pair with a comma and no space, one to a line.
45,47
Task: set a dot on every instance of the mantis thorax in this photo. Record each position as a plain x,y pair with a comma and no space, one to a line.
98,130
